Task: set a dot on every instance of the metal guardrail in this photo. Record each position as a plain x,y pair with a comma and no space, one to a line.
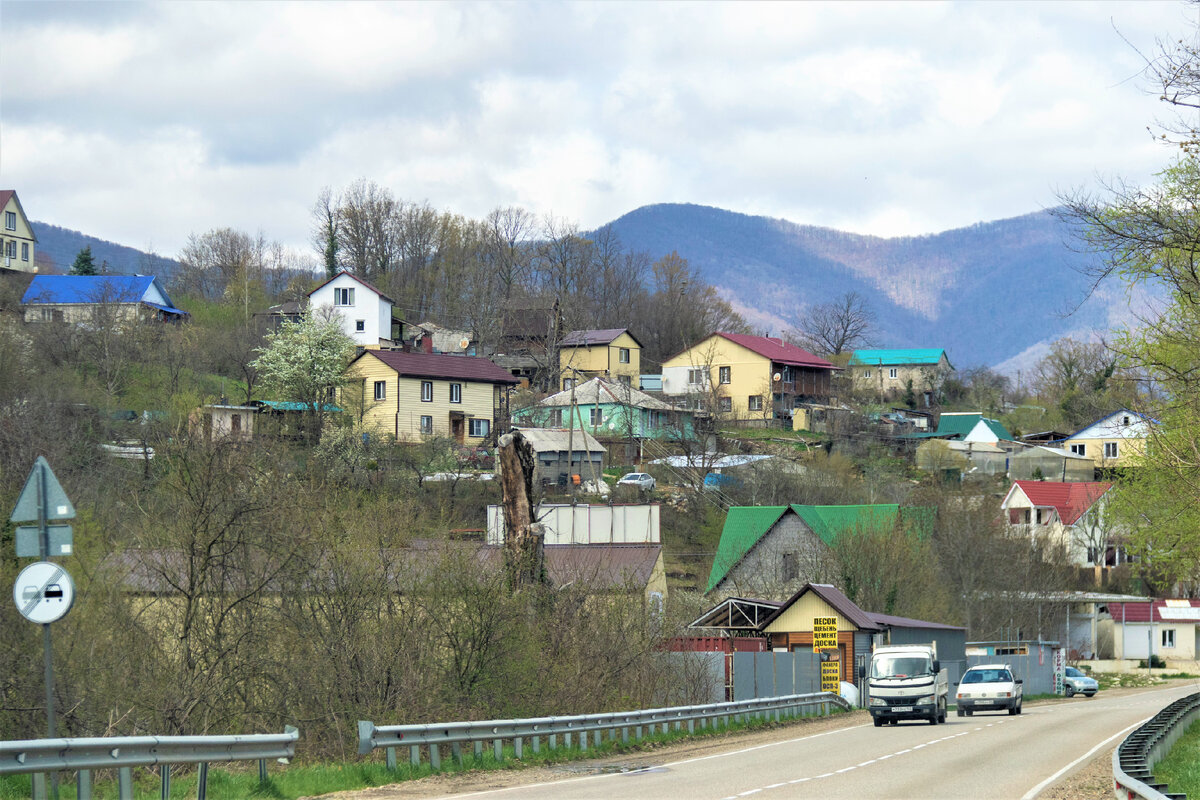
456,734
37,757
1135,757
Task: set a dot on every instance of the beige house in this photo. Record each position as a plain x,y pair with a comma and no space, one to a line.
98,300
1068,515
611,353
889,373
1117,440
414,395
17,239
224,422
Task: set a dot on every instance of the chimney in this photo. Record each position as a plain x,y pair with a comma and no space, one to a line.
427,344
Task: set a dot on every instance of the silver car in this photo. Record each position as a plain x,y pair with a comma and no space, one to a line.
641,480
1077,682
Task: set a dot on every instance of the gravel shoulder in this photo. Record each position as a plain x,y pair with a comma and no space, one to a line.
1091,780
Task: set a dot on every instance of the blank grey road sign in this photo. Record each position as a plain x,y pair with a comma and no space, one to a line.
58,505
62,541
43,592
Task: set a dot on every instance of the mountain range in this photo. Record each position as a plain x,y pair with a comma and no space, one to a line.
991,294
994,293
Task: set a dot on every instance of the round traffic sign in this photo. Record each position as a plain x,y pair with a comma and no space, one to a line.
43,592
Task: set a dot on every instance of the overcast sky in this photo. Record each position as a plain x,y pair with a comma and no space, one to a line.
142,123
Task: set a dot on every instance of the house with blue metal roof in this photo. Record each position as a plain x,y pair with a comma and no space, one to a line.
888,375
84,299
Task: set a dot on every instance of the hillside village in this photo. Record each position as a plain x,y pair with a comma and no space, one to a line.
257,428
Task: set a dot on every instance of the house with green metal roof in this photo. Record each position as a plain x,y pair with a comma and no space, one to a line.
768,552
890,375
967,426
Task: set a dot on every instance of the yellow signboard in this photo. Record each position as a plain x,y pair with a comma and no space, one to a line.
831,674
825,632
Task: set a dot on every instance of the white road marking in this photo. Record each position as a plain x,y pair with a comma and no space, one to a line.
1032,793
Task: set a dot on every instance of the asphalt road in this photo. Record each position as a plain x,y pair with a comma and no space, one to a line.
991,755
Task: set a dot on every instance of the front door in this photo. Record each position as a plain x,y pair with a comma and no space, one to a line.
458,427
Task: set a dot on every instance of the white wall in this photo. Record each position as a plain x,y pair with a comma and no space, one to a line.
374,311
566,524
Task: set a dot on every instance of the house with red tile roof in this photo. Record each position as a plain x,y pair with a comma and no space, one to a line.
1070,515
1171,626
736,376
412,396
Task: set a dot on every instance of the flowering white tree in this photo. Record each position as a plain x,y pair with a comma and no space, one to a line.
305,362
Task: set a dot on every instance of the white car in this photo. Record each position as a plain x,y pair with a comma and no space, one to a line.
989,687
1077,682
641,480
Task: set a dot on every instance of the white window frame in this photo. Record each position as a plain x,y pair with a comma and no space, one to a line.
556,418
696,376
10,220
426,391
343,297
725,375
1168,637
596,415
725,404
866,373
1111,450
24,251
568,384
12,248
380,391
893,373
456,393
478,427
623,355
426,424
755,402
1079,449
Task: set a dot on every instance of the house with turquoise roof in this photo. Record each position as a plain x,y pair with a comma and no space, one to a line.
768,552
888,375
609,410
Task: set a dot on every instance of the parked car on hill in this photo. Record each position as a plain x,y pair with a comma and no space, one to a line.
989,687
641,480
1076,681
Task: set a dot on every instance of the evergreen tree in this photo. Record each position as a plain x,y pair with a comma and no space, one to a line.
84,263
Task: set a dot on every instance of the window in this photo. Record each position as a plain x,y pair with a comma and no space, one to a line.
24,251
456,393
1110,449
696,377
10,220
427,425
426,391
1079,449
556,418
597,416
235,423
789,567
1125,421
480,427
725,374
625,379
381,390
360,325
568,384
1168,637
726,404
343,297
12,248
866,373
891,372
755,402
623,355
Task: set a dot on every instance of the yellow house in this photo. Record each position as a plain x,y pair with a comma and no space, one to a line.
414,395
1118,440
17,240
610,353
741,377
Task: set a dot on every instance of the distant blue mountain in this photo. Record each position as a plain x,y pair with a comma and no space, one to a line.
987,293
59,246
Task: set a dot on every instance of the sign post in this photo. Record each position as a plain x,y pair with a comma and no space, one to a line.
43,592
825,633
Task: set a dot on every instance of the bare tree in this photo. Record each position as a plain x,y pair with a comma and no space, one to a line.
832,328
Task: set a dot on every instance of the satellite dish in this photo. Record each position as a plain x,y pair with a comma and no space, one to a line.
464,343
777,377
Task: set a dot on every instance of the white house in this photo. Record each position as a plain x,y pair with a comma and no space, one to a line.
364,311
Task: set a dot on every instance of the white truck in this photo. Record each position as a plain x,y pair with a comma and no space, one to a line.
905,681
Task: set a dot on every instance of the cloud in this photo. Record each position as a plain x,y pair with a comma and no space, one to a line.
147,122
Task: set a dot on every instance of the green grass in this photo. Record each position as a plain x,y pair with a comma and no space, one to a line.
237,781
1180,770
